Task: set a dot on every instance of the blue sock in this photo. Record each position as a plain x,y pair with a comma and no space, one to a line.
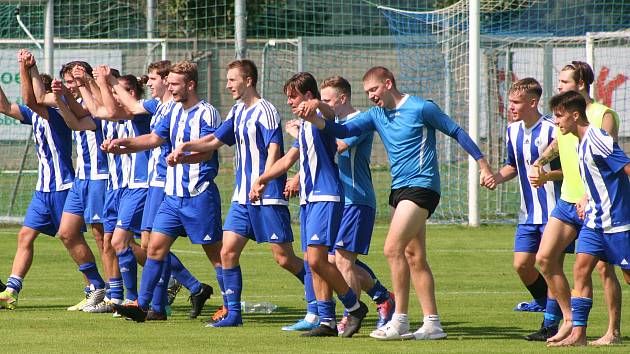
553,314
150,277
580,308
219,271
129,271
87,290
301,274
116,288
233,282
378,293
15,282
326,312
309,292
90,271
159,301
367,269
349,300
183,275
108,291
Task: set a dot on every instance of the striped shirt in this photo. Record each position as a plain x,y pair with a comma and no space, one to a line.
138,161
118,165
183,125
157,157
319,174
91,160
524,146
602,163
252,129
53,143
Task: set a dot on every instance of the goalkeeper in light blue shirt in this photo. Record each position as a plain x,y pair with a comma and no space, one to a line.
406,125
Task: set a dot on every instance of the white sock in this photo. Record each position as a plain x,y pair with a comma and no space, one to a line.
400,321
311,318
432,320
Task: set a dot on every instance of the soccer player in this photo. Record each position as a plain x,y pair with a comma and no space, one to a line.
55,176
527,137
605,235
406,125
564,225
128,181
253,126
357,221
160,107
320,210
192,205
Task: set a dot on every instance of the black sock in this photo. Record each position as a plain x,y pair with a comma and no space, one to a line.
538,288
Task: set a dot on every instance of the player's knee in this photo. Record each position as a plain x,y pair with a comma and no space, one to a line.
544,263
343,264
392,252
521,267
119,244
65,236
228,256
26,238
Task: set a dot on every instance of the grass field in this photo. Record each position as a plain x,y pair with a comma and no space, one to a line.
476,291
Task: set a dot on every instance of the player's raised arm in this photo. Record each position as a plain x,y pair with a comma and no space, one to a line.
126,99
72,121
112,110
10,109
27,61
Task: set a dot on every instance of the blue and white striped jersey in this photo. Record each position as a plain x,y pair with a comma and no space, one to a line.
524,146
139,161
53,143
91,160
252,130
183,125
319,174
118,165
602,165
157,157
354,168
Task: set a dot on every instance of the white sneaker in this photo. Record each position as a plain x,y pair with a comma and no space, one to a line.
392,332
94,298
429,332
79,306
104,306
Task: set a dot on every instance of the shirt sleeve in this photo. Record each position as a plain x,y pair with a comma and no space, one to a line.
362,123
296,143
434,116
27,115
269,125
55,120
511,156
209,122
225,132
617,159
163,128
151,105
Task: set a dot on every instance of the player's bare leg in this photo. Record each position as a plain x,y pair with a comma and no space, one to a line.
583,288
550,259
612,294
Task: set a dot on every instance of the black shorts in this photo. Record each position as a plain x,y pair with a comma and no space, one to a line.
425,198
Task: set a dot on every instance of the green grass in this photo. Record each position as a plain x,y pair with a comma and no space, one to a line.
476,291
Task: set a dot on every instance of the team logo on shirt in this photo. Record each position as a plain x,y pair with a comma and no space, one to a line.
538,142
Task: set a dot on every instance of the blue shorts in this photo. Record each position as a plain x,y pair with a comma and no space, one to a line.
355,232
319,223
155,196
198,217
266,223
110,209
130,209
87,198
613,248
566,212
527,238
44,212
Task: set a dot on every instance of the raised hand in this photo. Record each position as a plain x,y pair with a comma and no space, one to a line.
57,87
292,127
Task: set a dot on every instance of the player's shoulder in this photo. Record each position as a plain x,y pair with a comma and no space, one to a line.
599,140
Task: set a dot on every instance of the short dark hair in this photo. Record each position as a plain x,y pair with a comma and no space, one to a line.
339,83
380,73
67,67
247,68
581,72
135,84
47,81
303,82
569,101
162,68
528,85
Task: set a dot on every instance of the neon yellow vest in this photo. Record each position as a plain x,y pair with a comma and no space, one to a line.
572,187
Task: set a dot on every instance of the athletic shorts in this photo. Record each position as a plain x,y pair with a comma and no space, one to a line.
319,223
130,209
613,248
87,198
199,217
261,223
44,212
527,238
355,231
155,196
423,197
110,209
567,213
